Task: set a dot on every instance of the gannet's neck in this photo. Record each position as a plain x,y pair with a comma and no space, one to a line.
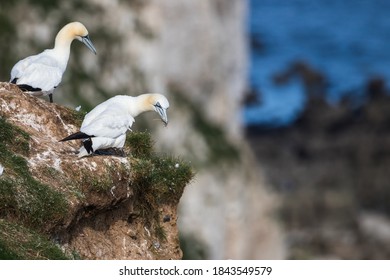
62,43
140,104
64,37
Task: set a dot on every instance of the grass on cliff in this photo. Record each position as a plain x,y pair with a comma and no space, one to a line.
20,243
22,198
156,179
29,209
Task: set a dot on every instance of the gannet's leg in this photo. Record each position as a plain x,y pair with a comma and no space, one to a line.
51,97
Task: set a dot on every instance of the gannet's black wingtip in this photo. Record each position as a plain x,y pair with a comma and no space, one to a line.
25,87
77,135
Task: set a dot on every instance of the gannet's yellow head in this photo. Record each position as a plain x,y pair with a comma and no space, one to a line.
74,30
159,103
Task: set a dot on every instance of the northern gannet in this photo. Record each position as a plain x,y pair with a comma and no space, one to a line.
106,125
40,74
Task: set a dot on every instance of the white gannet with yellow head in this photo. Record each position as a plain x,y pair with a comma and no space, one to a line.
106,125
40,74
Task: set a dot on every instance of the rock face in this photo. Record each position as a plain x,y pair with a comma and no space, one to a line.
100,207
195,53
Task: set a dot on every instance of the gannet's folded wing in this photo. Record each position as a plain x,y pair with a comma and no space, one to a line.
111,126
19,68
40,75
107,108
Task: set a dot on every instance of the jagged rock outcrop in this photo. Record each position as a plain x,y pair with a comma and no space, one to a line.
100,207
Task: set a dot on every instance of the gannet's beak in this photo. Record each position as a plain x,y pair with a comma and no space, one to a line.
163,114
88,43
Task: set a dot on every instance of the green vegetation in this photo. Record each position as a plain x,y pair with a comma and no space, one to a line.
30,210
18,242
156,180
21,196
162,177
140,143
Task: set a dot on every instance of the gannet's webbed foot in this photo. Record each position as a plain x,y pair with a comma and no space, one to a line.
110,152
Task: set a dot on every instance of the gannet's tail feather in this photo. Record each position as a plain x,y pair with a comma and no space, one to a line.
77,135
88,145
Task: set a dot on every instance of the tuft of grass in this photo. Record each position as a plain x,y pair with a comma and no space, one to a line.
140,143
158,181
169,177
161,179
21,196
18,242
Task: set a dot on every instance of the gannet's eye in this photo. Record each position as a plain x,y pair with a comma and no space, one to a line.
158,105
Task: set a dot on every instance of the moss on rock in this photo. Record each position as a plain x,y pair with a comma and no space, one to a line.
22,196
18,242
157,180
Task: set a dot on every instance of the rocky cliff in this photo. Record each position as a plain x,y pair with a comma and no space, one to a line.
194,52
54,205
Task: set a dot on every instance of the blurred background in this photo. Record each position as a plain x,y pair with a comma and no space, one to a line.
282,107
317,116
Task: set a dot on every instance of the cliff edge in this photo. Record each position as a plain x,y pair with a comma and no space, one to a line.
56,206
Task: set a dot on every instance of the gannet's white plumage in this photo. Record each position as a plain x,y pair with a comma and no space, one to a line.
40,74
106,125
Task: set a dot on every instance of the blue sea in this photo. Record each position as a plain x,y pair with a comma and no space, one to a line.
348,41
